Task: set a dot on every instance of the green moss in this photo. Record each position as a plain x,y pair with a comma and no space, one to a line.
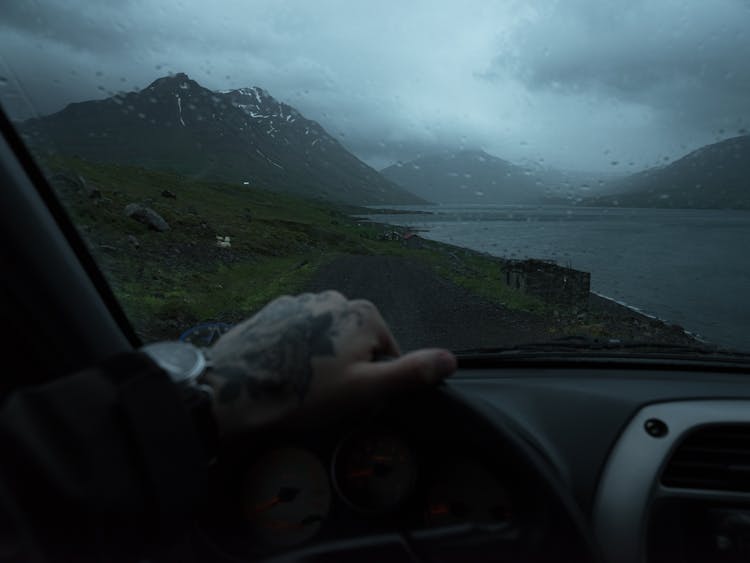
482,275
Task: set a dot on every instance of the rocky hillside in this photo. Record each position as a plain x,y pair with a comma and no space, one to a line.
244,136
716,176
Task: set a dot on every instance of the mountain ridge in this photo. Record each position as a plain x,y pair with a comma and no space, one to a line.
243,136
714,176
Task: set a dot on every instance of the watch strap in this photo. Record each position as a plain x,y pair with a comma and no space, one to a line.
198,400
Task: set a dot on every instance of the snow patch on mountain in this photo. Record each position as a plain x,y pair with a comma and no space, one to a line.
179,109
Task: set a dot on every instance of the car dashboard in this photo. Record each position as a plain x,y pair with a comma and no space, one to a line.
655,454
521,463
426,477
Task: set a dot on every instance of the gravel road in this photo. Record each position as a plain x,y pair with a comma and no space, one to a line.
423,309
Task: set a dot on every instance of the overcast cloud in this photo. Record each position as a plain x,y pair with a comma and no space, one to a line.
578,84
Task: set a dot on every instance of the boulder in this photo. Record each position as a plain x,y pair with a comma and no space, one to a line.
147,216
90,190
68,184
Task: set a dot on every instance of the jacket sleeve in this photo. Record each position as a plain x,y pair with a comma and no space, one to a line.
96,466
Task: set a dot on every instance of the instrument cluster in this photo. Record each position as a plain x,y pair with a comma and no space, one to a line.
376,478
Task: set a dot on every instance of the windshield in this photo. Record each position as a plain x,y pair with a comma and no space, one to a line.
489,174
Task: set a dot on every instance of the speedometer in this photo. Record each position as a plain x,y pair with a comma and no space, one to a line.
287,497
374,472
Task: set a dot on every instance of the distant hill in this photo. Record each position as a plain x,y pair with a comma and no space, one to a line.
240,136
716,176
466,177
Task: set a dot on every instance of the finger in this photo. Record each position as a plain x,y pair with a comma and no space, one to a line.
331,295
415,369
387,345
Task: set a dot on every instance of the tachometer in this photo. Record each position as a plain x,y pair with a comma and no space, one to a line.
374,472
287,496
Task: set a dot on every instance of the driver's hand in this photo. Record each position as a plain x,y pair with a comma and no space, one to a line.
310,356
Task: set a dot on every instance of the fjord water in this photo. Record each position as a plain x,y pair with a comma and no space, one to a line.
688,267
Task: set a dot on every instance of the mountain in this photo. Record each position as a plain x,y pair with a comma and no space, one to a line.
716,176
240,136
466,177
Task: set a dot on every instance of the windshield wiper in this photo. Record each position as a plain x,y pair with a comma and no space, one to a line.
581,345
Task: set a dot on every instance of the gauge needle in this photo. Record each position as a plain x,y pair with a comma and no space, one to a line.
378,469
441,508
285,494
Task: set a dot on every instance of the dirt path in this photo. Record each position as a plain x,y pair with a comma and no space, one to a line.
424,309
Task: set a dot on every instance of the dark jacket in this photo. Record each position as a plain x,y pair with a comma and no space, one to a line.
103,465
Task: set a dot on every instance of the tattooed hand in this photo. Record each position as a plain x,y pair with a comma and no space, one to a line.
305,355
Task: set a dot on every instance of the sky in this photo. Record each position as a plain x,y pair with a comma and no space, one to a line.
598,85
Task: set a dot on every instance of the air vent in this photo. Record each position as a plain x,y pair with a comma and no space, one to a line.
714,457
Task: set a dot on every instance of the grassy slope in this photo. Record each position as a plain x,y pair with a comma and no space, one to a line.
174,279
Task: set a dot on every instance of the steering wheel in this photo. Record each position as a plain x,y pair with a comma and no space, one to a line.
548,524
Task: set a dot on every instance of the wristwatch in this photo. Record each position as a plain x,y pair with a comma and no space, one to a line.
185,365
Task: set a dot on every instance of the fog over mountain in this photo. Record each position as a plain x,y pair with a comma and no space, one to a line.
605,85
466,176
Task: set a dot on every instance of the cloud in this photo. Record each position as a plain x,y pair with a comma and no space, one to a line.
574,83
687,60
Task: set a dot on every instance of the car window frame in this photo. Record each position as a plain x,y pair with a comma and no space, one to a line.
81,305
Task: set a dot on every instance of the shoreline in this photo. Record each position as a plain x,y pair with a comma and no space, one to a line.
625,308
642,313
601,317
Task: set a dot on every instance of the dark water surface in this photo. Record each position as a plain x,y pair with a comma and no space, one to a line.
689,267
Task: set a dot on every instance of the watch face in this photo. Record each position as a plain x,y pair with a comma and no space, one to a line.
182,361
